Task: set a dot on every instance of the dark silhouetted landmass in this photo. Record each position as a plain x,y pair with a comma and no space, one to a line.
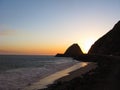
109,44
105,52
73,51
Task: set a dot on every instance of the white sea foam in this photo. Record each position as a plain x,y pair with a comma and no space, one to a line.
15,79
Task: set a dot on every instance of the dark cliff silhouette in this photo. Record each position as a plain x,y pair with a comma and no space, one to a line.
73,51
109,44
106,76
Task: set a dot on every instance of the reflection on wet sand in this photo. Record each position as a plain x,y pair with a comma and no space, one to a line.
50,79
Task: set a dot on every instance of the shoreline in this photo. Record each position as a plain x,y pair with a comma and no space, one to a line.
17,79
63,75
77,73
105,76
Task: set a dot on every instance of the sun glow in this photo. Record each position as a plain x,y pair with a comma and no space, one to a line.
86,45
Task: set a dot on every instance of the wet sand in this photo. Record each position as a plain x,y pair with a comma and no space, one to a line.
77,73
64,75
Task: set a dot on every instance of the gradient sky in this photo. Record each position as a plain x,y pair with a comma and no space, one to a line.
50,26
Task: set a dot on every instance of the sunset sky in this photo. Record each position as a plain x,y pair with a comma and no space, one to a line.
46,27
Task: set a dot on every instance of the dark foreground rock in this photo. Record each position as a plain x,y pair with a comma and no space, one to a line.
109,44
73,51
105,77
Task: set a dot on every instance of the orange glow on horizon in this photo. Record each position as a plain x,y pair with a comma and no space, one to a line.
43,49
30,50
36,48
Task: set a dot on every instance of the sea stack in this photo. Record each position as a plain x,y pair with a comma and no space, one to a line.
109,44
73,51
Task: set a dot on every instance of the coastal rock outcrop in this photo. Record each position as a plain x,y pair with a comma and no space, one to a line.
109,44
73,51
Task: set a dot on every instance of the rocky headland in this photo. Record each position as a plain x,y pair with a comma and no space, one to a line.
72,51
105,52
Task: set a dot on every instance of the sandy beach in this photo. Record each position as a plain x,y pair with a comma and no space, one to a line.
62,76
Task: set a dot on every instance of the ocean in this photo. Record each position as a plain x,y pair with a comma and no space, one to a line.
18,71
9,62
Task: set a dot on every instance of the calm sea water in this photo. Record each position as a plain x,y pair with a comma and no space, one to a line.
8,62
